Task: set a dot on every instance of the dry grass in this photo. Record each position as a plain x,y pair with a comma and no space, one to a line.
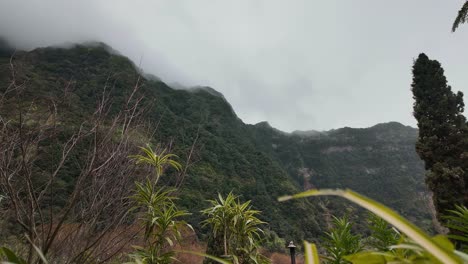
190,243
71,235
279,258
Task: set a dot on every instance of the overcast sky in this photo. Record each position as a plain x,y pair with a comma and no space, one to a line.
297,64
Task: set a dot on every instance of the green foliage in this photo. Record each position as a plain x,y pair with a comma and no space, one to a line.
379,162
160,216
10,256
457,220
382,234
157,160
239,227
310,253
256,161
433,250
406,251
461,17
340,241
162,225
443,135
273,242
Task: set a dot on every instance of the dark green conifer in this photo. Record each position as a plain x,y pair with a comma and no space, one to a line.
462,16
443,135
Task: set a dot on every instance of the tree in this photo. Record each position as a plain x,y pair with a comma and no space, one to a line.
237,225
220,217
161,222
461,17
443,135
160,215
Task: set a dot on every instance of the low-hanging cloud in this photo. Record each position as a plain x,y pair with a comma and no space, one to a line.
297,64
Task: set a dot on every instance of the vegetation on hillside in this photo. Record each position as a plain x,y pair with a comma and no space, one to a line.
196,124
379,162
71,121
414,247
160,216
237,226
226,155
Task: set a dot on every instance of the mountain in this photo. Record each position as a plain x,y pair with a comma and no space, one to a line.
257,162
379,162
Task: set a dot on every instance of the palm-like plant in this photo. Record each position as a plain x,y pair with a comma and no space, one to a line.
461,17
457,220
382,234
161,223
239,226
246,224
220,216
161,216
159,161
340,241
155,201
247,233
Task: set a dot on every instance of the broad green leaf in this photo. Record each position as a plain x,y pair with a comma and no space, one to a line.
365,257
169,241
444,242
41,255
311,254
11,256
462,255
413,232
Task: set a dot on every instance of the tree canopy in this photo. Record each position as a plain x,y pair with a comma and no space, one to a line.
461,17
443,134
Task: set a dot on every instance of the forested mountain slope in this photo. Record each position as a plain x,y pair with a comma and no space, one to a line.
379,161
255,161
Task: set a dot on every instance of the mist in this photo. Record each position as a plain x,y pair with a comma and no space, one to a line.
297,64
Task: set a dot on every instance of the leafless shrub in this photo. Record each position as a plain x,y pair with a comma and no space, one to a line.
89,225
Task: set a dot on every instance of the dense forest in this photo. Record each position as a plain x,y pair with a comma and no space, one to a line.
221,153
101,162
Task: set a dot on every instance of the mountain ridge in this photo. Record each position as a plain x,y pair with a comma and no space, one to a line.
257,161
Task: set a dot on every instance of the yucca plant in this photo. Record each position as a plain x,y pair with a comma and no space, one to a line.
161,220
340,241
246,230
160,208
159,161
239,227
160,215
382,234
220,218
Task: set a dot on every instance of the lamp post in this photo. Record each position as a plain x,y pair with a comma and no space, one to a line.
292,252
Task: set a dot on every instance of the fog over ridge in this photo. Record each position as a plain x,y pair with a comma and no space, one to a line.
300,65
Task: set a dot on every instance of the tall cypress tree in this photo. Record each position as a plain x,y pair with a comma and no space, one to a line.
443,135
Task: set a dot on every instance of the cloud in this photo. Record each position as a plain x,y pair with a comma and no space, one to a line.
297,64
